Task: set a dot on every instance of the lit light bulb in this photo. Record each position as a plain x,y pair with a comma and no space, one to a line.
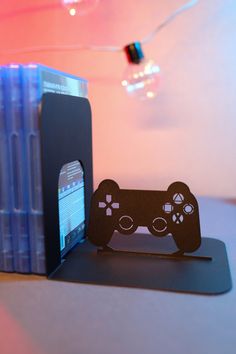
142,76
80,7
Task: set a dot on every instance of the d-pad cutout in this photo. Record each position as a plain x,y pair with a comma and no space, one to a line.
108,205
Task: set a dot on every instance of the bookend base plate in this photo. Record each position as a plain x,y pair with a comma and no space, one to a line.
136,267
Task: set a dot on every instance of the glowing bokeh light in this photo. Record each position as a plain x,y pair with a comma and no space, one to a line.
142,80
79,7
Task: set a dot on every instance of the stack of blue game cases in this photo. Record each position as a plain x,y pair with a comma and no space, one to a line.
21,209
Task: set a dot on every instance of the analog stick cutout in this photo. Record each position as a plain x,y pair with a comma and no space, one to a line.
126,222
159,224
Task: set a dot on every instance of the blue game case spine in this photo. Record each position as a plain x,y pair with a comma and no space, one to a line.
33,167
14,120
6,235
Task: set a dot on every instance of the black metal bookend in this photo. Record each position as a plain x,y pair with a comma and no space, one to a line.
66,136
182,262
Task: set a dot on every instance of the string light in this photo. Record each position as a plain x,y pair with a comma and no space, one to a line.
142,78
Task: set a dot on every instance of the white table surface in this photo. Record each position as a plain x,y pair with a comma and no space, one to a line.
38,316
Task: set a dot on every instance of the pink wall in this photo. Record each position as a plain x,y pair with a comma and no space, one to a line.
187,133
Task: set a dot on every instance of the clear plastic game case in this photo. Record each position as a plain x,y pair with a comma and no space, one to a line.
37,80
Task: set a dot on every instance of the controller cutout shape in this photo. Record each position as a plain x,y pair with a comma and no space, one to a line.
174,212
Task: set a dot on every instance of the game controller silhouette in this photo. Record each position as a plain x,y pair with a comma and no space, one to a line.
174,211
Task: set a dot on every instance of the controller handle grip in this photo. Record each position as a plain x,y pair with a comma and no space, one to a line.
99,231
188,240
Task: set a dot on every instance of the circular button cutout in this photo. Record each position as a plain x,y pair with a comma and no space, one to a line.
188,209
126,222
159,224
